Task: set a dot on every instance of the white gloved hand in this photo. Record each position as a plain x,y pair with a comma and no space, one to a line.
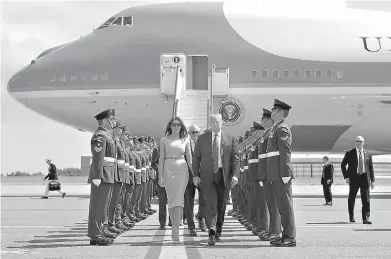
261,183
286,179
96,182
235,181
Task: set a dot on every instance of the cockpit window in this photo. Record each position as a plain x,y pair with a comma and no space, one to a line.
106,23
128,21
119,21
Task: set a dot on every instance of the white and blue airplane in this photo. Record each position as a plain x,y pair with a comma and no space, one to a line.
331,63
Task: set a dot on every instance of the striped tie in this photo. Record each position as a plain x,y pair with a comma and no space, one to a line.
215,153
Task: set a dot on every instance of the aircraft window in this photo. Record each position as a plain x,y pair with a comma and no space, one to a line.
128,21
307,73
53,78
329,73
107,23
264,74
339,74
117,21
73,76
296,73
94,76
286,73
63,77
104,76
318,73
254,74
275,74
84,76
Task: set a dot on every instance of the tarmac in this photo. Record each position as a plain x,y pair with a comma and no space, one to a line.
56,228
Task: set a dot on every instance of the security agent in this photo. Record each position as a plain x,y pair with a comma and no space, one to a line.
101,177
280,172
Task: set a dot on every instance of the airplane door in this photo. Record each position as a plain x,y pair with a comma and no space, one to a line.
197,72
169,62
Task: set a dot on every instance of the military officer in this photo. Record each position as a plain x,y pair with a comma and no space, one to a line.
101,178
126,187
139,182
274,230
113,225
280,172
260,217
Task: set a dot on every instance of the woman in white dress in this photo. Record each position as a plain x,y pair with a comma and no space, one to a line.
174,170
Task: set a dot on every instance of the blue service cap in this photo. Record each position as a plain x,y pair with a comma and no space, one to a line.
266,113
105,114
257,126
281,105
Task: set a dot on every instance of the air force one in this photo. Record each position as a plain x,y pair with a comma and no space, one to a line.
332,64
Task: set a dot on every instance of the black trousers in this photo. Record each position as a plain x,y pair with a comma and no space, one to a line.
162,206
355,183
189,205
216,197
328,196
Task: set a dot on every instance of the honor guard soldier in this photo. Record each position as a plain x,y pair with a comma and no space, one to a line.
125,191
258,201
113,224
280,172
139,183
101,178
274,223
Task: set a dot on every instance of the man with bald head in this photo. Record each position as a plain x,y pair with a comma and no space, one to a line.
194,132
359,175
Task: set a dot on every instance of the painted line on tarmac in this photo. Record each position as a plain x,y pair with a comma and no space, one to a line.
171,251
35,227
15,252
155,250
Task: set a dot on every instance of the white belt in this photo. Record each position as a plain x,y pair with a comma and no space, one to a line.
131,167
275,153
109,159
262,156
252,161
126,164
138,170
121,162
147,166
246,167
241,170
143,169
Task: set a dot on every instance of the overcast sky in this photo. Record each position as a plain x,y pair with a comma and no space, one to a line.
27,29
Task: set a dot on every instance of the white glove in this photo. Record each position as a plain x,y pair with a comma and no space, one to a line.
97,182
286,179
261,183
235,181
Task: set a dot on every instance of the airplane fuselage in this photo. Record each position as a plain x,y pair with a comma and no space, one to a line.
338,88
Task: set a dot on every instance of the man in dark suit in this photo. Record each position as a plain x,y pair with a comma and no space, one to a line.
327,180
216,171
359,175
194,131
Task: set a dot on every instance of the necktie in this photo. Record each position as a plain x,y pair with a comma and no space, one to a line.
360,164
215,152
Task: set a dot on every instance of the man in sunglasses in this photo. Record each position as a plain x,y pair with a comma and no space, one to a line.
194,131
359,174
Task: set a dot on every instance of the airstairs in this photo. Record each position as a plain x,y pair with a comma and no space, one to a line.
193,107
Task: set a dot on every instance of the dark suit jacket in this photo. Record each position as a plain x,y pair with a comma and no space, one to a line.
203,158
155,161
327,173
52,175
350,160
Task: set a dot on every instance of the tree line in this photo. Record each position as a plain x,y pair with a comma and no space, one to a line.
70,171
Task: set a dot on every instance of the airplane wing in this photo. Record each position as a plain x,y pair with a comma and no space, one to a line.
372,5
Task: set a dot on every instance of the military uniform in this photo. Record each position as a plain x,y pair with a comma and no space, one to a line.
258,203
113,225
102,169
274,230
278,167
140,162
